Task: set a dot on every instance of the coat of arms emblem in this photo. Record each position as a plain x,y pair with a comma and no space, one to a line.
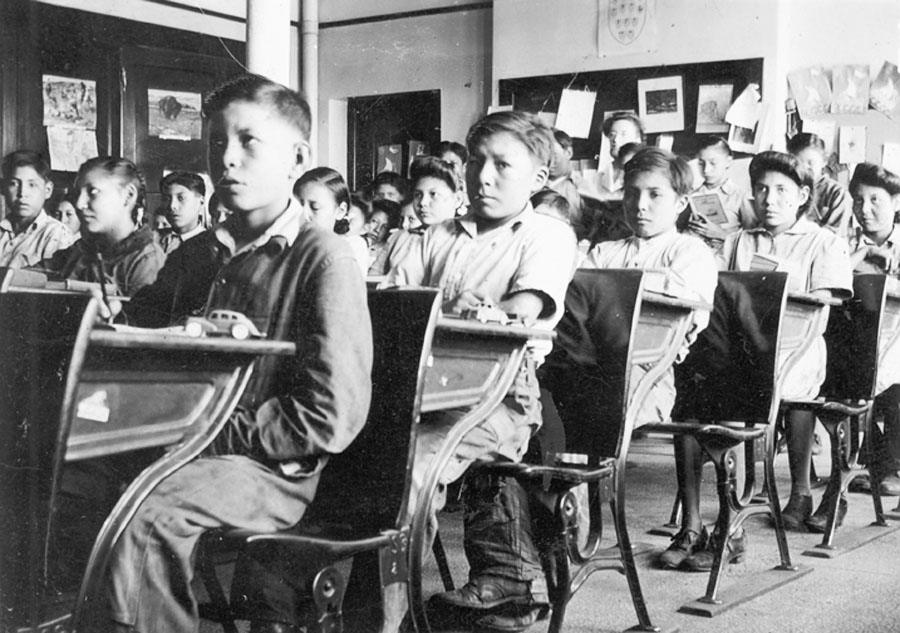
627,19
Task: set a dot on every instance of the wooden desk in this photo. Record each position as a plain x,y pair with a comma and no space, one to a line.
472,365
73,391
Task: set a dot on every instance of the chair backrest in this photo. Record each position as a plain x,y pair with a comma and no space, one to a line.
853,340
43,340
589,369
730,373
366,486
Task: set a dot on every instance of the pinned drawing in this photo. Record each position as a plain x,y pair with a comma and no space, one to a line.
713,101
174,115
850,94
70,102
884,94
811,90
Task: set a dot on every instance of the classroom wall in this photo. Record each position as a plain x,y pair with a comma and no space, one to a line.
338,10
830,32
449,52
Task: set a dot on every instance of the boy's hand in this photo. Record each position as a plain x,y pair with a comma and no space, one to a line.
106,313
467,300
700,225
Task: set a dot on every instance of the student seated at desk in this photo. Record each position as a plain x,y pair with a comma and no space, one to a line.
296,282
875,248
436,194
504,254
114,248
183,196
657,186
781,187
27,234
832,205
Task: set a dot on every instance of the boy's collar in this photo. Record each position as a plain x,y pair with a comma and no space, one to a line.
468,222
890,240
801,226
659,237
727,187
39,220
286,226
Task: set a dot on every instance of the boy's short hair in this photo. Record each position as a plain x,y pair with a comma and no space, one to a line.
288,104
391,178
358,201
187,179
564,140
330,179
555,201
631,148
25,158
390,208
624,116
875,176
788,165
432,167
127,173
676,168
451,146
527,128
714,142
804,140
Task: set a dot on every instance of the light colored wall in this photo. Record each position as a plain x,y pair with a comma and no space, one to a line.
336,10
449,52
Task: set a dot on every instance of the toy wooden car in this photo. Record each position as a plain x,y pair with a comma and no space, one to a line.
222,323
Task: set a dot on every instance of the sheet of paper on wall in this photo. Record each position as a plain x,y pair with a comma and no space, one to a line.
665,141
884,93
890,157
70,146
825,129
70,102
627,27
499,108
850,92
548,117
744,112
811,90
576,112
852,144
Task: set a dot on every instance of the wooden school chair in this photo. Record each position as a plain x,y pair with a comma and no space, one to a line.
728,394
360,504
858,334
74,390
614,341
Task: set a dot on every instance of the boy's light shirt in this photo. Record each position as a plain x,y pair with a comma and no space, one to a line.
822,258
685,261
287,226
735,202
607,185
859,239
530,253
40,240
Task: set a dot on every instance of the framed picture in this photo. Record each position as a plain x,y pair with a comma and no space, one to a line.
748,140
661,104
387,158
713,101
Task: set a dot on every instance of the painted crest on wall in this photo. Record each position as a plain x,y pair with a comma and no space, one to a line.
627,19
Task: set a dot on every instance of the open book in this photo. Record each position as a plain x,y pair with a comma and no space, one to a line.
709,205
770,263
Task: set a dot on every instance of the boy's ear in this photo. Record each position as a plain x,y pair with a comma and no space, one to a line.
682,202
302,158
541,174
48,189
804,195
895,200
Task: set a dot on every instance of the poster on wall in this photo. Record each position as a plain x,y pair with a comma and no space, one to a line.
416,149
749,139
70,102
70,146
627,27
713,101
661,104
173,115
576,112
388,159
884,94
811,90
850,89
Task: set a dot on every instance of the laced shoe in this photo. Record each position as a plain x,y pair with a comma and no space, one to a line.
683,545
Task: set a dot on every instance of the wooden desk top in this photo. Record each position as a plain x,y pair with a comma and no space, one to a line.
812,299
651,296
159,340
447,323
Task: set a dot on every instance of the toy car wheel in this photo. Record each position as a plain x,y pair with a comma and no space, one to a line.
192,328
240,331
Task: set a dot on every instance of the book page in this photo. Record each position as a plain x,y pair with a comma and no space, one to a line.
709,205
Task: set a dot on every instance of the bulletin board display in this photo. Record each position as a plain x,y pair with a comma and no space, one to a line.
618,90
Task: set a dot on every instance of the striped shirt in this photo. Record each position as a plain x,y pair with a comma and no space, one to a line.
39,241
833,207
858,240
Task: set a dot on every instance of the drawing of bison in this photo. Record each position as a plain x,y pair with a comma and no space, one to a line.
169,107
